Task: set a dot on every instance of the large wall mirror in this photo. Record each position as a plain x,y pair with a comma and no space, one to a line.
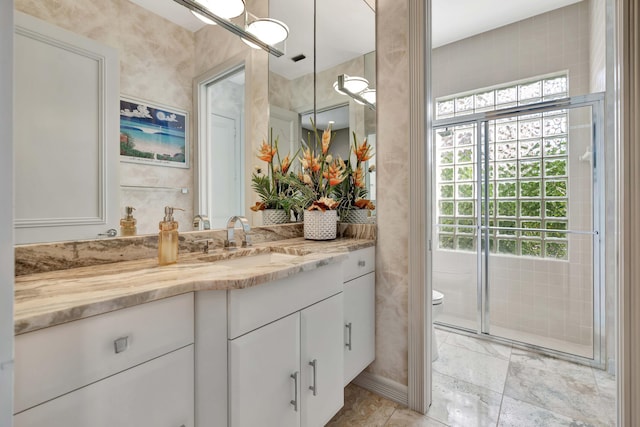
162,49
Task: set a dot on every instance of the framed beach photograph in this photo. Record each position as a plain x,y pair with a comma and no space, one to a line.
153,134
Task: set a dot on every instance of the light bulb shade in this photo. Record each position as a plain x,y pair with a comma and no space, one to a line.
270,31
226,9
369,95
355,84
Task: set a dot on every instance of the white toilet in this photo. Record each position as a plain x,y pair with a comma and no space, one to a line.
436,304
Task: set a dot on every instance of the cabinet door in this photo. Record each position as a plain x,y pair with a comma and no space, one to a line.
158,393
359,325
264,376
321,361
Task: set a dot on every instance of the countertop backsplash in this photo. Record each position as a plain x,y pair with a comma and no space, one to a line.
44,257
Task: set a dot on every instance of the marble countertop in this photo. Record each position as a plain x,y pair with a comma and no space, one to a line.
51,298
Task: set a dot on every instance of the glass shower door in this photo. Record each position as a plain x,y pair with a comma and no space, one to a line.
540,272
516,242
455,262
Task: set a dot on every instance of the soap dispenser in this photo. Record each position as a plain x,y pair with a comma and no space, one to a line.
128,223
168,238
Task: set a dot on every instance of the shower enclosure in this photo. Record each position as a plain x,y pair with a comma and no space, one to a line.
516,243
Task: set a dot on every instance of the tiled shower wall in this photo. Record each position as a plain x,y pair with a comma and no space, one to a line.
551,298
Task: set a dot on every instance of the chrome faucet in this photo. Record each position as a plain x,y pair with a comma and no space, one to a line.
230,227
206,225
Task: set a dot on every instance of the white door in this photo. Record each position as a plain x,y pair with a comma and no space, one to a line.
66,133
158,393
226,193
285,126
264,376
321,361
359,321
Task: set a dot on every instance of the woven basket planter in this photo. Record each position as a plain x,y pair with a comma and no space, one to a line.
356,216
275,216
320,225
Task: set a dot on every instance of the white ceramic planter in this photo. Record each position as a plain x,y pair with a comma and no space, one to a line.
356,216
320,225
275,216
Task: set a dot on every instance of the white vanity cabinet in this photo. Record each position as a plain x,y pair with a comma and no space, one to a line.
359,312
287,371
130,367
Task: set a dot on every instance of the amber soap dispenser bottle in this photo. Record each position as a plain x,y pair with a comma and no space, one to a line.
128,223
168,238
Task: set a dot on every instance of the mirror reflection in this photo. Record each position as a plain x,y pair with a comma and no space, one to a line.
162,50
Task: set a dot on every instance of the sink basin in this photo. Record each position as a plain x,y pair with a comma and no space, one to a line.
244,258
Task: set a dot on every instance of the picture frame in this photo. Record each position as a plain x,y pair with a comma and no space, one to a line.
153,134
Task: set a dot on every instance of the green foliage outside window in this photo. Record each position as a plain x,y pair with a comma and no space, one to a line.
556,167
530,189
507,189
446,191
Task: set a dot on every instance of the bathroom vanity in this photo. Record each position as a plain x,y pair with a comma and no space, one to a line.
268,336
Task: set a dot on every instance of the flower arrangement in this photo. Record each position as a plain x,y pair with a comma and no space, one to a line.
320,173
352,192
271,186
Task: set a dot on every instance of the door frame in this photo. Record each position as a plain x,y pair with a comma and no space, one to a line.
201,175
622,22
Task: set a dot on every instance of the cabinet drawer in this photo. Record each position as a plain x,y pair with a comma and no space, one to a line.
158,393
359,263
253,307
56,360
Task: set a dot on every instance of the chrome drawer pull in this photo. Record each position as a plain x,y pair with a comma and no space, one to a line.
294,402
362,263
348,344
314,387
121,344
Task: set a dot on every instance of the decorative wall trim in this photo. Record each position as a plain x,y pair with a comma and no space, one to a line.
384,387
419,305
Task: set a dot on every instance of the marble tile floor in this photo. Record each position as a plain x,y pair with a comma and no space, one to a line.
478,383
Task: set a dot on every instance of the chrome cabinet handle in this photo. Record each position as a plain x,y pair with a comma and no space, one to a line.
362,263
112,232
294,402
314,387
348,344
121,344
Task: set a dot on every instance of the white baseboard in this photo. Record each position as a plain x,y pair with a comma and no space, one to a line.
384,387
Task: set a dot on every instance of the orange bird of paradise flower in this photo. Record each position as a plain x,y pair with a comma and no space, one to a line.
266,152
309,162
326,140
363,151
334,174
285,164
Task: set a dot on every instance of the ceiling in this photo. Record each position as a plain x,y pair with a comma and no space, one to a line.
452,20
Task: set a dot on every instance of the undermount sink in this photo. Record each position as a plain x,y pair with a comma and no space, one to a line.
252,257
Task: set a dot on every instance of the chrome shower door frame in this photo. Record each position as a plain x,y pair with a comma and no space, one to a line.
482,229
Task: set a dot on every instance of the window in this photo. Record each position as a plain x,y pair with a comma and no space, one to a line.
528,172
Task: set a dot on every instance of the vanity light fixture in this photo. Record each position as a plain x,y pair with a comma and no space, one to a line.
357,88
271,31
200,8
226,9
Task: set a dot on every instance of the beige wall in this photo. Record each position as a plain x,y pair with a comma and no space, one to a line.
543,44
392,269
